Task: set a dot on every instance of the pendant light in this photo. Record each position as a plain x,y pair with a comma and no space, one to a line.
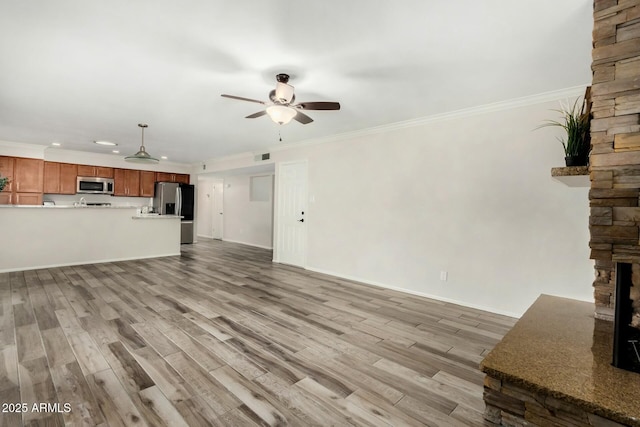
141,156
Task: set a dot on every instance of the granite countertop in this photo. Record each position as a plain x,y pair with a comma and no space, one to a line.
156,216
570,171
558,348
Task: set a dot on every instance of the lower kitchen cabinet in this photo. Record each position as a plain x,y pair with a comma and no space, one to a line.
27,198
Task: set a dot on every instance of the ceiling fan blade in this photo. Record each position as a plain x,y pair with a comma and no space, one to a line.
302,118
319,105
255,115
243,99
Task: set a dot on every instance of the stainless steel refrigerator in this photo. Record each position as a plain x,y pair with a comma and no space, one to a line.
172,198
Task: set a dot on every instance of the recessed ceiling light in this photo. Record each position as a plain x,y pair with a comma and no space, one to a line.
115,151
164,157
104,143
56,144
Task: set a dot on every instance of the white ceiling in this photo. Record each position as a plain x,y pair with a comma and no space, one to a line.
77,71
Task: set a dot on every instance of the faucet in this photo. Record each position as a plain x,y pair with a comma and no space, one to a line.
82,202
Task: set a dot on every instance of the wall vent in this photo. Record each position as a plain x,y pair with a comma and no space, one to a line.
261,157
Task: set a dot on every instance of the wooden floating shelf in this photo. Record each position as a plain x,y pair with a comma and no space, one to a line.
572,176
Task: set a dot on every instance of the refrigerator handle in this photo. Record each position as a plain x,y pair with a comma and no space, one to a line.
178,201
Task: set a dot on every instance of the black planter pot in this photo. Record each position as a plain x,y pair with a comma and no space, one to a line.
576,160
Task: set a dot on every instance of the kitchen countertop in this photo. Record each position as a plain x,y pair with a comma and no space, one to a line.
558,348
155,216
141,216
66,207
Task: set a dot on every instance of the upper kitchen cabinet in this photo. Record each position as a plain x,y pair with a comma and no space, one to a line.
172,177
126,182
183,178
27,180
60,178
99,171
147,183
6,171
28,175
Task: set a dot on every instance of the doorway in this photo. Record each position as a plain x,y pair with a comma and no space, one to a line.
291,217
209,208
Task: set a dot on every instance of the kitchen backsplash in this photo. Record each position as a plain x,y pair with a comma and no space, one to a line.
69,200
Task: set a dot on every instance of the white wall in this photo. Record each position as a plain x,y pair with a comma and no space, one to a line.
246,221
470,194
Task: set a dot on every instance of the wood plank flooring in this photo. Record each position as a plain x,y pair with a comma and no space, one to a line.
221,336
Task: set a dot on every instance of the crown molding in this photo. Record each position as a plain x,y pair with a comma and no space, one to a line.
21,149
540,98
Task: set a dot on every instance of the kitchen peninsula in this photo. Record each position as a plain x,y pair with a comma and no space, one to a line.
49,236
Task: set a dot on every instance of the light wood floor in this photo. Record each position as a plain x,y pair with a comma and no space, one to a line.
221,336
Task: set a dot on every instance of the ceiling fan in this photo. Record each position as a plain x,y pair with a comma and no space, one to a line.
282,109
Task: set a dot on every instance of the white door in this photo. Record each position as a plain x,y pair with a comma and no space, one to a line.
217,210
291,222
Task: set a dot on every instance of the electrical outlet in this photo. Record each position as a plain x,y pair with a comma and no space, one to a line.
443,276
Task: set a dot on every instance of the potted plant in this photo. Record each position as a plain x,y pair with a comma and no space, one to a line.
3,182
576,122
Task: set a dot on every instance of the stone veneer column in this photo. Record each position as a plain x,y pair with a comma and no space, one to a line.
615,137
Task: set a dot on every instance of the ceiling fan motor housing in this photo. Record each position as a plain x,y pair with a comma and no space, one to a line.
282,78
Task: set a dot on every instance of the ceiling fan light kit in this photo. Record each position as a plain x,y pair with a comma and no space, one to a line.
282,108
281,114
142,156
284,93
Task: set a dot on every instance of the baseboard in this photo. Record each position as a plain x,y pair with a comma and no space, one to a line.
70,264
248,244
204,236
416,293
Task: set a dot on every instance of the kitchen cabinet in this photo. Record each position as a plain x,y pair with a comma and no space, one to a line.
182,178
172,177
126,182
99,171
28,175
147,183
27,198
6,171
60,178
164,177
27,180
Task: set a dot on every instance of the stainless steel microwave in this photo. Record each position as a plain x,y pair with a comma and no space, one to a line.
94,185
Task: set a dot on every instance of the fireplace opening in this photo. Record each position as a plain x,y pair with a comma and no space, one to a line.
626,336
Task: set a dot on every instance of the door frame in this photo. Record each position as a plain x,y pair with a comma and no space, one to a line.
276,213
